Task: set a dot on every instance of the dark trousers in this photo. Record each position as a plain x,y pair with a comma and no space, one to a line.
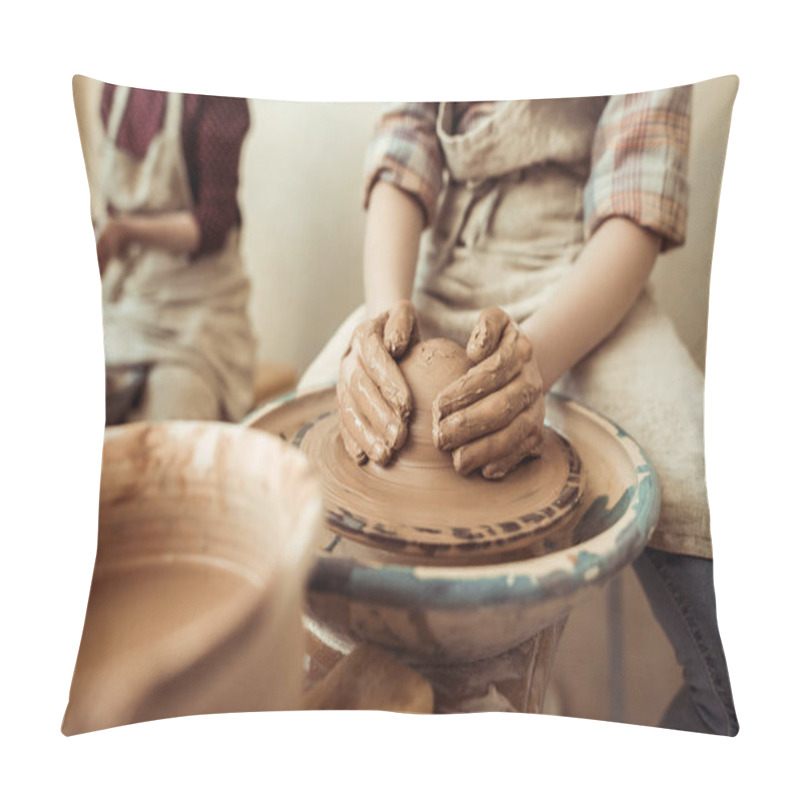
680,590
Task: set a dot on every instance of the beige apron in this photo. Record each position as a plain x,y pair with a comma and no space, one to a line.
508,227
163,308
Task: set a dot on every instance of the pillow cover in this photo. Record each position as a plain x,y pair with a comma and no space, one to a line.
231,232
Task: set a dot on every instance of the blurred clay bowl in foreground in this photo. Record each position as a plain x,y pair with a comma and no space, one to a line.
207,533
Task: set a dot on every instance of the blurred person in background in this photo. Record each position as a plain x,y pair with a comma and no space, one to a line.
178,341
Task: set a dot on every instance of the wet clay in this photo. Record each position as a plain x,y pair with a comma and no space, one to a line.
427,368
147,623
418,505
134,607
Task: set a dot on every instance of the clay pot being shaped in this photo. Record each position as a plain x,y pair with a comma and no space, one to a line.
418,506
428,367
417,602
207,533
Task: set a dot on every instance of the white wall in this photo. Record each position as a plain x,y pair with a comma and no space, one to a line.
682,275
303,221
303,224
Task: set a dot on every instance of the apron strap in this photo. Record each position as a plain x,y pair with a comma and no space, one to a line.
137,182
118,105
494,189
172,115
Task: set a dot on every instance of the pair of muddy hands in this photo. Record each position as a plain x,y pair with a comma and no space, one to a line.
491,418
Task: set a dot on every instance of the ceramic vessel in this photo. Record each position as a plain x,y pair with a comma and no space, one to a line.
433,614
207,533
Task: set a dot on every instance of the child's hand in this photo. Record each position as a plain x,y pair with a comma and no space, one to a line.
493,416
373,397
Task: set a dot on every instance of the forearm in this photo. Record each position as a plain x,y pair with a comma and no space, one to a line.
176,231
391,244
608,276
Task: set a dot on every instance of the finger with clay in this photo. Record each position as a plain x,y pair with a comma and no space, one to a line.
492,418
373,398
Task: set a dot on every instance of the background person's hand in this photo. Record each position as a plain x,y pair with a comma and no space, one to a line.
493,416
373,398
111,242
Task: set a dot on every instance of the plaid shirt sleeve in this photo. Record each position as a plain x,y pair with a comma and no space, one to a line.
639,163
404,151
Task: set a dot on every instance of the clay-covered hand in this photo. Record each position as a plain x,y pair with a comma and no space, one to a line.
492,417
373,397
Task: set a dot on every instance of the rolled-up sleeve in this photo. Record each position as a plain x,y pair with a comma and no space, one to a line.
213,150
404,151
640,159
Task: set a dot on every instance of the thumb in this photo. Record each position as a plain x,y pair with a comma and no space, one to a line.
400,328
486,334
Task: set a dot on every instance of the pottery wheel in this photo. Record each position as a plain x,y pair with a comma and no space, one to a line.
418,505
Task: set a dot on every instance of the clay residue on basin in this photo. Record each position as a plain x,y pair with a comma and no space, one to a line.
134,606
205,537
145,623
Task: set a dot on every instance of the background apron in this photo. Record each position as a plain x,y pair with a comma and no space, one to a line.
166,308
508,227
